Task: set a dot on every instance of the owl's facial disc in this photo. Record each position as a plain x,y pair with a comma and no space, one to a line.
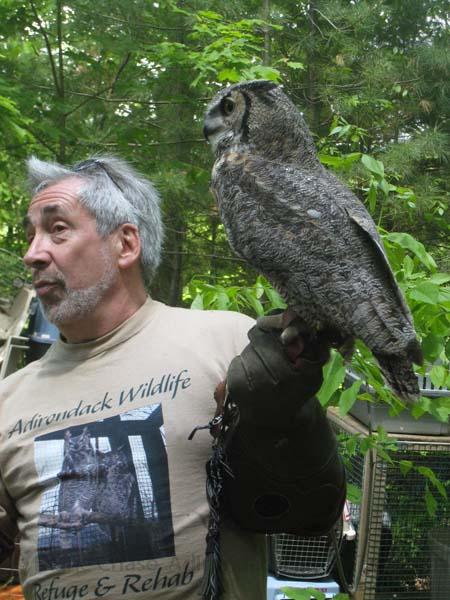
223,120
215,133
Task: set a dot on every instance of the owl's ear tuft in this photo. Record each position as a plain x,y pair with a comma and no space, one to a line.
257,85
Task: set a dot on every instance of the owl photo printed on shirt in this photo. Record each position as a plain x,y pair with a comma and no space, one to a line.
109,498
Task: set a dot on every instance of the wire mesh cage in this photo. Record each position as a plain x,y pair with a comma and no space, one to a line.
408,545
297,557
402,520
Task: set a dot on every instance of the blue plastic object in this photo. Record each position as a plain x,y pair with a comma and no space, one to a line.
327,586
42,331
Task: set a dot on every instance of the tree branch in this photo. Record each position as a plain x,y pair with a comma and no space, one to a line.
40,140
48,47
216,256
95,96
122,66
326,19
60,49
61,116
144,25
137,145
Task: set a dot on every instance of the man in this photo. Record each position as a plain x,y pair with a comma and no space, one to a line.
97,471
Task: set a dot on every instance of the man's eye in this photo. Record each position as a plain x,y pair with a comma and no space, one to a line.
58,228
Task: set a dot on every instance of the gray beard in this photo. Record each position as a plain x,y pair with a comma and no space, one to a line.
80,303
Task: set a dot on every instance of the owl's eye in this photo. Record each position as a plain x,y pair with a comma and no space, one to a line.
227,106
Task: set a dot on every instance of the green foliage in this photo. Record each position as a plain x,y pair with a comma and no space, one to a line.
257,299
227,51
133,78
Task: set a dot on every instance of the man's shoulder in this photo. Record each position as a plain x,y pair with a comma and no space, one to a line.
215,329
19,377
219,318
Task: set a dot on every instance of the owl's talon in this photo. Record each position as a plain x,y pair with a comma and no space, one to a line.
289,334
269,322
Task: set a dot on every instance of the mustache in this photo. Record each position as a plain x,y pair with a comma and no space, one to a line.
53,278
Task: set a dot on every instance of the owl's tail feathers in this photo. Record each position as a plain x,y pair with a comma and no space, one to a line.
399,374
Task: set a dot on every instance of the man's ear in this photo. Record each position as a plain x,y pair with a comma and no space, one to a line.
128,245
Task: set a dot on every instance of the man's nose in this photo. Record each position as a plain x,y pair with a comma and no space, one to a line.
37,255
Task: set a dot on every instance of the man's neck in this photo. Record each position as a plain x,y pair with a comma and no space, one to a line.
109,314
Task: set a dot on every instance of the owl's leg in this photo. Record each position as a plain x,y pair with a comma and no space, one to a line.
288,322
347,348
300,339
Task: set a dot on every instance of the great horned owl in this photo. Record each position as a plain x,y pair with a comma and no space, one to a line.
79,475
117,494
78,481
304,230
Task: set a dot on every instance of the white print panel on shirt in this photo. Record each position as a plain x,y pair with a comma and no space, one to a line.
107,494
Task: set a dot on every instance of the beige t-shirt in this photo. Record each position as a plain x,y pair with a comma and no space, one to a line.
97,470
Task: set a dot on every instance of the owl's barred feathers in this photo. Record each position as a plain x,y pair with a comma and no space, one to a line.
304,230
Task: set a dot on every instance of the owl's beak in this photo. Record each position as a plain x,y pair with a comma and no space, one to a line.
207,131
213,130
213,125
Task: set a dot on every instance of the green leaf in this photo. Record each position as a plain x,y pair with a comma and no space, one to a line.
296,65
209,14
406,241
259,288
385,187
229,75
276,301
421,407
430,502
374,166
431,476
439,411
372,196
432,346
438,375
197,303
425,292
444,295
439,278
334,375
253,301
354,493
262,72
222,302
343,161
348,397
303,594
405,466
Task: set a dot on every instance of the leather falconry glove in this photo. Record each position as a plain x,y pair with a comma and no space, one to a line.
285,471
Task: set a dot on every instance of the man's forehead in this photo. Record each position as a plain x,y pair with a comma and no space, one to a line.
66,189
58,198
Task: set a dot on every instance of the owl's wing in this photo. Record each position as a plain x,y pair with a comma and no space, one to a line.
292,202
364,223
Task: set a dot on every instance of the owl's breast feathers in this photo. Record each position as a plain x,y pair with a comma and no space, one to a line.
315,240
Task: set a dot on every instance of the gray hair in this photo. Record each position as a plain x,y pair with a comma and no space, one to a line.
114,194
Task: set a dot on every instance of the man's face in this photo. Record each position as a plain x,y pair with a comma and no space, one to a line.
72,266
